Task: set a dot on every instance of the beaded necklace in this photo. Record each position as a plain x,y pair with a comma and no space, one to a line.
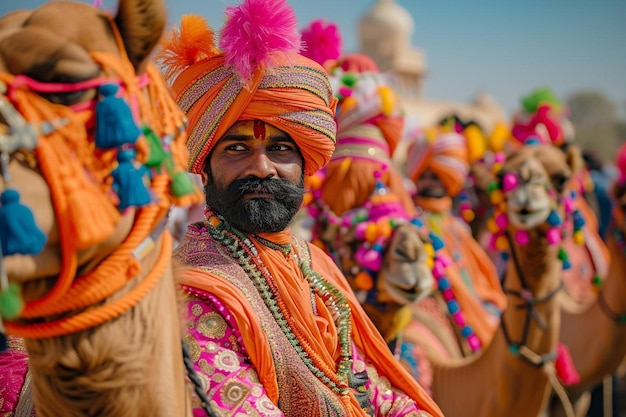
242,249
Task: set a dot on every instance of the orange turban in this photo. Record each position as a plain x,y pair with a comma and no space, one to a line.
446,156
287,91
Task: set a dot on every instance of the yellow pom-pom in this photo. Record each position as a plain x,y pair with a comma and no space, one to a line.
499,136
468,215
348,103
496,196
430,250
388,100
371,233
579,237
430,263
492,226
502,243
384,228
307,199
475,142
363,281
496,167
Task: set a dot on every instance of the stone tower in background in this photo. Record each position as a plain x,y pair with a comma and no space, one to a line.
385,35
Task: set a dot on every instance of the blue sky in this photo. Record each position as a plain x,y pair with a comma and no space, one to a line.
506,48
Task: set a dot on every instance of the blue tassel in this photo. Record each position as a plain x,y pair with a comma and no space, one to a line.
436,241
114,120
128,181
19,233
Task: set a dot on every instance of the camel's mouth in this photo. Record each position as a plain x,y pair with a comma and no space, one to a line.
528,218
405,291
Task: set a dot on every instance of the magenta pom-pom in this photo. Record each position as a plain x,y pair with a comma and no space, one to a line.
565,368
255,31
522,237
509,182
502,220
322,41
447,294
553,236
474,342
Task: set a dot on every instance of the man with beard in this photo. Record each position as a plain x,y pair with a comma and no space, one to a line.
274,328
437,163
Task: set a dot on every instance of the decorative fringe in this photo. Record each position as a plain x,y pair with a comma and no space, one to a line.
565,368
128,181
115,125
19,233
93,215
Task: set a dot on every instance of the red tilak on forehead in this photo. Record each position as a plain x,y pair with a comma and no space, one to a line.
259,129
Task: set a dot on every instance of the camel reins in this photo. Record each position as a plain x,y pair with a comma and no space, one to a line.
529,303
545,361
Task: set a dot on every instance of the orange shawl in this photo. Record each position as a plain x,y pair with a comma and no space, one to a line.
320,332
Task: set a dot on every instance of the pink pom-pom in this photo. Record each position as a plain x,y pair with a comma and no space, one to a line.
438,269
522,237
502,220
459,319
369,258
474,342
447,294
553,236
322,41
255,31
509,182
565,368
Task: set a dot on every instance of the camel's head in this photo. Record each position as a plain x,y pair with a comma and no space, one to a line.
79,105
385,259
534,181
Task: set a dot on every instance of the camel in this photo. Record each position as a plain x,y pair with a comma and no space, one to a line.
513,374
403,275
100,321
596,333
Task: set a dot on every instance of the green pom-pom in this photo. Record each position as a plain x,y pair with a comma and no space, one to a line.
538,97
349,79
596,281
562,254
11,303
181,184
493,185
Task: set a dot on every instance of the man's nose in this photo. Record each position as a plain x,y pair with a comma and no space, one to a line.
261,166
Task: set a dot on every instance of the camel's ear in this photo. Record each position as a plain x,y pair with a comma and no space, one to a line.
574,158
141,24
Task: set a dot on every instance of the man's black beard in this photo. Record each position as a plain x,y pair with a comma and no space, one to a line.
256,215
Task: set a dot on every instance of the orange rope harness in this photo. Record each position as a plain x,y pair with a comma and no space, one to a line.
78,179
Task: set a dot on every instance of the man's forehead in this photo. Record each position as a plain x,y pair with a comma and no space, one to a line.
256,129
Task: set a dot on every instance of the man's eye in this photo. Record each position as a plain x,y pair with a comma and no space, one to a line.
237,148
281,148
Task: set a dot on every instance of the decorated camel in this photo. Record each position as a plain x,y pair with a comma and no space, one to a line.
596,334
512,376
93,156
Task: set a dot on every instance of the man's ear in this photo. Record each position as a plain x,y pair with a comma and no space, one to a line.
205,178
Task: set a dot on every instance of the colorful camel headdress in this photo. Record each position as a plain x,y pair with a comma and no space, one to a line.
133,158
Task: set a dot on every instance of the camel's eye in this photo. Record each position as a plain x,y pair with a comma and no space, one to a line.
559,181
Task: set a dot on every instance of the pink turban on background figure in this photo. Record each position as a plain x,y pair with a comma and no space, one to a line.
281,88
446,156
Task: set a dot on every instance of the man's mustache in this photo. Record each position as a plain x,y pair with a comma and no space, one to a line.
279,188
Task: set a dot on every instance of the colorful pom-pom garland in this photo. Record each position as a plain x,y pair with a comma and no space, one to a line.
373,225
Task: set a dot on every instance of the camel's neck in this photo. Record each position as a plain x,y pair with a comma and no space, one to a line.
129,366
498,381
532,279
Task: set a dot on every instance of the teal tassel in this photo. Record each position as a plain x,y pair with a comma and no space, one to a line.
115,125
128,181
19,233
